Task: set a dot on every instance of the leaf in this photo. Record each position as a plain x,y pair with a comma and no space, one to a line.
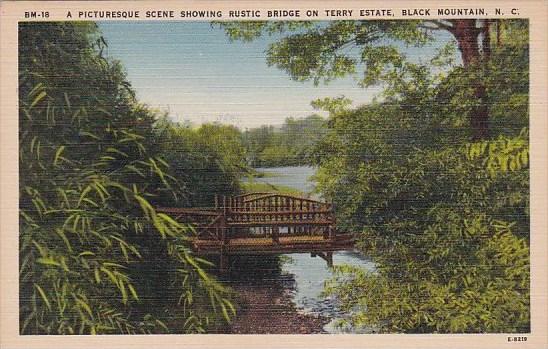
85,306
48,261
37,99
162,325
40,248
83,195
111,276
67,101
64,196
136,170
58,154
64,238
204,261
230,305
104,111
110,264
197,268
97,276
225,313
89,134
35,89
116,151
86,253
43,295
122,287
132,291
124,250
146,207
169,220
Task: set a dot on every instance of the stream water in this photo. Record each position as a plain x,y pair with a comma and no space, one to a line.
303,276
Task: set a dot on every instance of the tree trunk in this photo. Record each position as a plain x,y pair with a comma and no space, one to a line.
486,40
467,35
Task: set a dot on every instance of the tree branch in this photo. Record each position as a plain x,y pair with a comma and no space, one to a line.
437,25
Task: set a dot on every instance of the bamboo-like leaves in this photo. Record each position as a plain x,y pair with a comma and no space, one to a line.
58,155
38,98
43,296
87,213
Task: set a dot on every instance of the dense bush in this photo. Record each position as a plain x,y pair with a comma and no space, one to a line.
208,160
445,219
95,256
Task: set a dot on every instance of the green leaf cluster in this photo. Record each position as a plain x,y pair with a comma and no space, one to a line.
286,145
324,51
208,160
446,220
95,256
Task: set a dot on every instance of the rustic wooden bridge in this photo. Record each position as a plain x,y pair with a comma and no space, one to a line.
263,223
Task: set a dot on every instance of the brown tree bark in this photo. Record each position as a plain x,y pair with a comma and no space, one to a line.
467,35
486,40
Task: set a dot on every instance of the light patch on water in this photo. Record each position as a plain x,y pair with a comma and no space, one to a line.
310,274
296,177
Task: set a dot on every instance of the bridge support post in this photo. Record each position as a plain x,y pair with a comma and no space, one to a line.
329,259
224,259
276,235
326,256
224,262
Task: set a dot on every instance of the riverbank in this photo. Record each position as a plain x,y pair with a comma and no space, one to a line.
253,186
285,180
269,309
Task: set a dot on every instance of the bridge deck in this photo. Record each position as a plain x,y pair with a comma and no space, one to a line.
266,245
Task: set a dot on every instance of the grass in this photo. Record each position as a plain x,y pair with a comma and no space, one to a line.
249,187
263,174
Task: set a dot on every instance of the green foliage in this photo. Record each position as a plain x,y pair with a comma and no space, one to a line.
267,187
209,159
445,219
506,80
89,181
321,51
288,145
451,243
503,155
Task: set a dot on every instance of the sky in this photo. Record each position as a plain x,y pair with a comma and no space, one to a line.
193,71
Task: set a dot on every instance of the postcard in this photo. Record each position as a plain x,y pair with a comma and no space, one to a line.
274,174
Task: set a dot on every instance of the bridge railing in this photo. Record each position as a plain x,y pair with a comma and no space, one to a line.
267,215
274,215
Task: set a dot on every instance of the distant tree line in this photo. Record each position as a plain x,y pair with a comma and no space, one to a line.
287,145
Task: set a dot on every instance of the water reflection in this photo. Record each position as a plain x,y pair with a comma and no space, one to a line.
299,274
310,274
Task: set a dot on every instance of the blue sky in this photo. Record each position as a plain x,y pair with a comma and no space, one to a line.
193,71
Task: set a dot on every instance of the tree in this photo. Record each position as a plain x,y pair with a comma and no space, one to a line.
446,220
207,161
325,51
473,38
91,242
287,145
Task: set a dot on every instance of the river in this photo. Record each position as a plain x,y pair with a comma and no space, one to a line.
300,277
